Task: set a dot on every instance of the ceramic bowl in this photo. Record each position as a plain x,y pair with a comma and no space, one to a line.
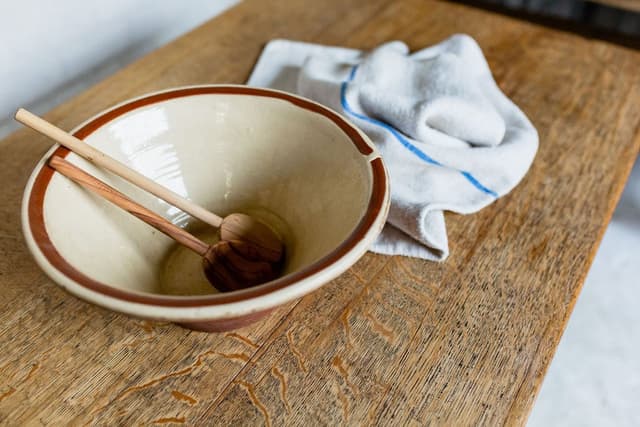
293,163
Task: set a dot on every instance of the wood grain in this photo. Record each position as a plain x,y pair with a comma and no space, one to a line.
392,341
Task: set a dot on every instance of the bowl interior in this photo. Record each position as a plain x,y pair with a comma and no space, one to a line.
291,167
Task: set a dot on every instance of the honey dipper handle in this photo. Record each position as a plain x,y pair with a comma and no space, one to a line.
101,188
103,160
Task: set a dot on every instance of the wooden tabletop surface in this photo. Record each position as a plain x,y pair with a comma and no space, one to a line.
394,340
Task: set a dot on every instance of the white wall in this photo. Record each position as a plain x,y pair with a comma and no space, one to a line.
51,50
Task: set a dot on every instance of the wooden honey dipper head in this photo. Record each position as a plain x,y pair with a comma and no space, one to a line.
266,244
249,253
236,264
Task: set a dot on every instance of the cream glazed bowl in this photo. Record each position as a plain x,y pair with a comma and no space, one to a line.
295,164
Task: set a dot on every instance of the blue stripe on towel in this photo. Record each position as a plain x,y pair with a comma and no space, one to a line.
404,141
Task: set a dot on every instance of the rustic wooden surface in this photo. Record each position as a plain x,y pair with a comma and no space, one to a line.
394,340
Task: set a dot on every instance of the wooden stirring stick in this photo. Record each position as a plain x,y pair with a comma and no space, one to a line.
228,265
232,227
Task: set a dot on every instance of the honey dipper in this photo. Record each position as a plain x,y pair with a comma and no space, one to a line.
228,265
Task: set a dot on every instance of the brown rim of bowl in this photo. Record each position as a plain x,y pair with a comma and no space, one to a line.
42,240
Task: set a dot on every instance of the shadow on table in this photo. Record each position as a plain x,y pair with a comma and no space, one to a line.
585,18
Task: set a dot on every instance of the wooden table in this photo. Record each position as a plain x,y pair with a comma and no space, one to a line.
394,340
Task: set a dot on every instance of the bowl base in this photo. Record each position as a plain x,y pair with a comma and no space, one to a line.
225,325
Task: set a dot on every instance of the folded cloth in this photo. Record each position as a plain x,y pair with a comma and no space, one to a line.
451,140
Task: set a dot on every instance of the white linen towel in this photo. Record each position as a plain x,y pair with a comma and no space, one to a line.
451,140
